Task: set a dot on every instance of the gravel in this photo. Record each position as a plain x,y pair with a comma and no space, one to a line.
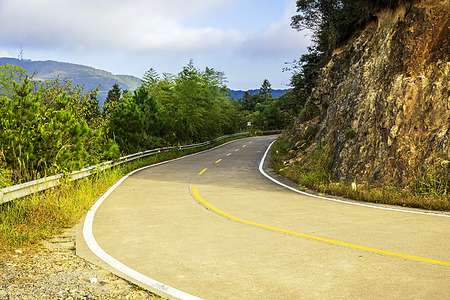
53,271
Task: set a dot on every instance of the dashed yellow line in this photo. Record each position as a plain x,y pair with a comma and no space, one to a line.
236,150
330,241
218,161
202,171
244,146
228,154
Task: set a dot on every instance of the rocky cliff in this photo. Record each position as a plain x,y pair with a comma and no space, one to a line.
385,96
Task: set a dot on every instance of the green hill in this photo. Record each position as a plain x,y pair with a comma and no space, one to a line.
88,77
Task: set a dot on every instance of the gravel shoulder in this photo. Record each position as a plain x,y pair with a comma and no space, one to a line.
52,270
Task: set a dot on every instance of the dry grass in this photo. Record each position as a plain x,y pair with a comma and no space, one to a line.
313,170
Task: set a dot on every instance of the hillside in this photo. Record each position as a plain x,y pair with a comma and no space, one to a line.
88,77
382,102
236,94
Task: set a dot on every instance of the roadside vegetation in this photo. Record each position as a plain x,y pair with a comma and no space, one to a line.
311,166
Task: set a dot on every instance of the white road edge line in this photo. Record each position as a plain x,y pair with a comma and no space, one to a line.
100,253
337,200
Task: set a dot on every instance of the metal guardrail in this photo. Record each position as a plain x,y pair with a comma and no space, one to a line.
21,190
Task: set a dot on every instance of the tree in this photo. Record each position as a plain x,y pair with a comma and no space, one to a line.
38,139
246,102
192,103
150,79
269,116
134,124
93,115
126,96
10,75
266,90
84,105
332,22
112,100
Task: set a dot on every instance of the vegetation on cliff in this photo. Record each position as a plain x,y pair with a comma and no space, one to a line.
333,22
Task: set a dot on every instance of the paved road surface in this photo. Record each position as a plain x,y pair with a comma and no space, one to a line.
155,225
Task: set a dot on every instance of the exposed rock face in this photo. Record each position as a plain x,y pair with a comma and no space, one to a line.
387,94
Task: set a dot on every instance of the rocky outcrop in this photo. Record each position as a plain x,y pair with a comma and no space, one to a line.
386,96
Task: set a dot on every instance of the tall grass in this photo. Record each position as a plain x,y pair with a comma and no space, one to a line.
26,221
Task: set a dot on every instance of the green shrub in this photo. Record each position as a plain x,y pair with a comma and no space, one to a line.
349,134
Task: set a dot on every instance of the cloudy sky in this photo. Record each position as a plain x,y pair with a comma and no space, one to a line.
249,40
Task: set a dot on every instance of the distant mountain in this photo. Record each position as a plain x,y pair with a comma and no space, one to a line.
88,77
239,94
91,78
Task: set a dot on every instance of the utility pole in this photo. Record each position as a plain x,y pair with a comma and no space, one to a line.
21,53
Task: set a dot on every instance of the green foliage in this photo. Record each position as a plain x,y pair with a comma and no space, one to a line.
60,93
150,79
349,134
433,182
5,174
265,112
193,105
305,72
269,116
41,132
9,75
308,112
133,124
112,101
310,169
266,90
334,21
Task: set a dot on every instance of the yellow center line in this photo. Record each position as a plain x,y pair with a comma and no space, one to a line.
218,161
244,146
250,142
228,154
312,237
236,150
202,171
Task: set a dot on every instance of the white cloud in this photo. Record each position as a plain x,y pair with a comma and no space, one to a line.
278,37
247,39
136,25
4,53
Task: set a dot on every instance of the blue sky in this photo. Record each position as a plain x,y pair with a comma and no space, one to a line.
249,40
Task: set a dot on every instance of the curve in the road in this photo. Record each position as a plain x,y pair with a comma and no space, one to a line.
261,170
99,252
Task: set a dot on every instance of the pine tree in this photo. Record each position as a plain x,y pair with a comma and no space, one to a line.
112,100
266,90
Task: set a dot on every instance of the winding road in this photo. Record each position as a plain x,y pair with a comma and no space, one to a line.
212,226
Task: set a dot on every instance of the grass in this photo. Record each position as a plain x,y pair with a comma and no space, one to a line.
312,169
26,221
